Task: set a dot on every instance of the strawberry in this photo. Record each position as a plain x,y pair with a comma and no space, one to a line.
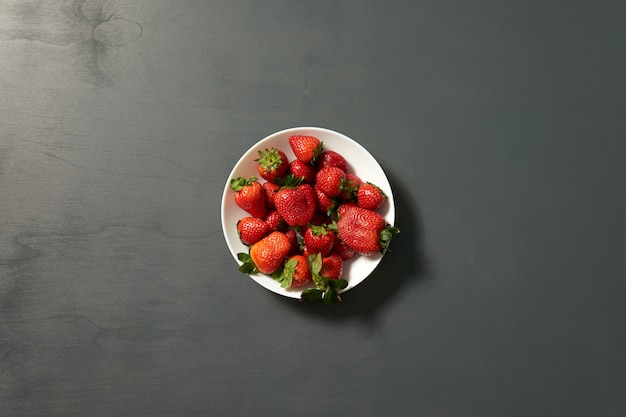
272,164
301,169
251,230
332,159
293,240
319,219
364,231
325,204
275,221
305,148
343,250
349,187
266,255
326,288
332,266
369,196
249,195
270,192
319,239
296,202
344,208
330,181
296,272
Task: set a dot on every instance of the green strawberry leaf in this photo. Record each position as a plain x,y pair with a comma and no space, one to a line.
339,284
285,276
315,265
385,238
319,230
311,294
248,266
325,289
238,183
289,181
330,295
244,257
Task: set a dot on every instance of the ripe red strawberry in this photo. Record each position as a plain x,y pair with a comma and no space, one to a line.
319,239
296,204
305,148
364,231
343,209
293,239
301,169
249,195
251,230
272,164
269,253
330,180
270,192
350,186
275,221
332,159
369,196
296,272
343,250
332,266
320,220
325,204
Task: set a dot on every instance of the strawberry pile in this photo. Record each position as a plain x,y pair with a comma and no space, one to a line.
307,217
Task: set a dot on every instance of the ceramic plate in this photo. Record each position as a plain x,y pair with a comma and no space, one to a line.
360,162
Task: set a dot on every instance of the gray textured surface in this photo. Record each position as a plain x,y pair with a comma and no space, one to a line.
500,124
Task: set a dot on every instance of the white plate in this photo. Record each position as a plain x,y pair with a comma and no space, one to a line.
360,162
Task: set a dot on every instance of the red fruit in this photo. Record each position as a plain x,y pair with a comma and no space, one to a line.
350,186
293,239
249,195
269,253
332,266
270,192
343,250
364,231
343,209
275,221
301,169
251,230
330,180
325,204
332,159
305,148
319,239
296,205
320,220
369,196
296,272
272,164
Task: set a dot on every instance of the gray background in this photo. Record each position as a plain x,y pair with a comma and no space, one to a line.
500,125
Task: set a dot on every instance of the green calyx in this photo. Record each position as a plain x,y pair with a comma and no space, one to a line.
289,181
385,238
285,276
326,289
318,150
347,186
238,183
319,230
247,266
269,159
